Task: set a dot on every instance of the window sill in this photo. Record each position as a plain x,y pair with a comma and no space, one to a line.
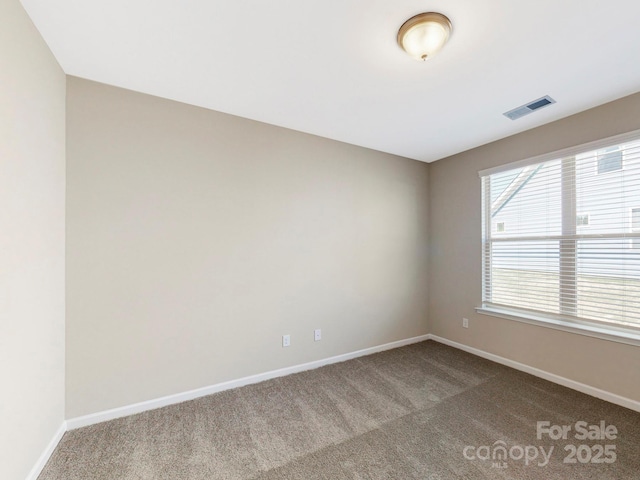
628,336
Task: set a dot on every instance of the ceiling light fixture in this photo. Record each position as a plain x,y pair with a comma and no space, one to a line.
424,35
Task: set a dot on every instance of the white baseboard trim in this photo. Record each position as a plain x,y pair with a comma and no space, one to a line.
46,454
552,377
99,417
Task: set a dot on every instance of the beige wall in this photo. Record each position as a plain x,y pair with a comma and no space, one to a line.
32,170
196,239
455,258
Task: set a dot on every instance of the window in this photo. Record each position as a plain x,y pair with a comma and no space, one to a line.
547,266
582,220
609,160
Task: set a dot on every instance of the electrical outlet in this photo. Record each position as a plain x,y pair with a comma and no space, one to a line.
465,322
286,340
317,335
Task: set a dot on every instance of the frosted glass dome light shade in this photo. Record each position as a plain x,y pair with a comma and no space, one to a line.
424,35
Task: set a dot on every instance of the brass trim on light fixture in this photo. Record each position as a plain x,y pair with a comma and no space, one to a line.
420,19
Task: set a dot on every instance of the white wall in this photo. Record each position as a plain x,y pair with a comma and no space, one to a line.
196,239
32,183
455,265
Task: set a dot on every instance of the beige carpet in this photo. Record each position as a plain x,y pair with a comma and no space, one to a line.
409,413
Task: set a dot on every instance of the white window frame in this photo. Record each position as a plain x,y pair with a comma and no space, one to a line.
633,243
621,334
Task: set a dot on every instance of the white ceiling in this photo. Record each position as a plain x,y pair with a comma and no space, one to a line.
333,68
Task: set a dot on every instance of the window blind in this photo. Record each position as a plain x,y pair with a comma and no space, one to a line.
562,236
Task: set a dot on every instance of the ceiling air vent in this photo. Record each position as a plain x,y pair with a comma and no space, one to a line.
523,110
